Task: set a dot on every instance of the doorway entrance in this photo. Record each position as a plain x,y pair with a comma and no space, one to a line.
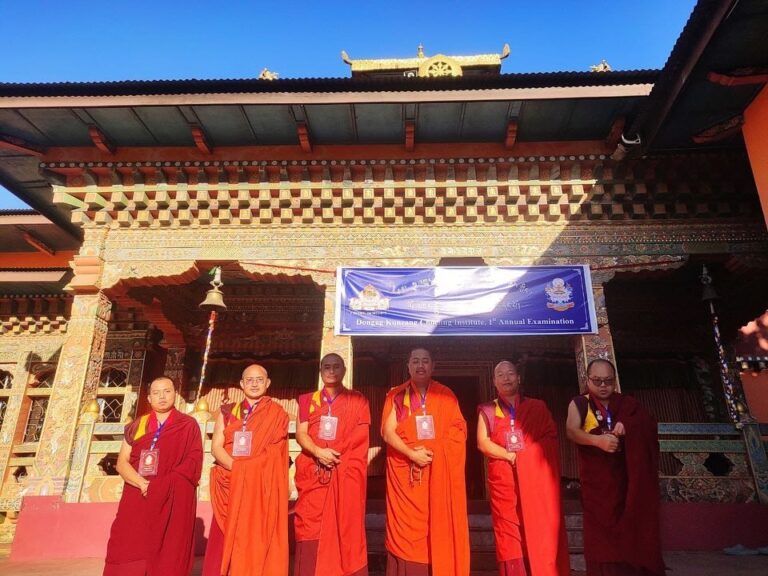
470,394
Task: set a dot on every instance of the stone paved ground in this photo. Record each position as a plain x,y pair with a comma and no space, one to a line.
680,564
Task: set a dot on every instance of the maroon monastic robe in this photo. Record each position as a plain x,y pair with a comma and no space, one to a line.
620,494
154,535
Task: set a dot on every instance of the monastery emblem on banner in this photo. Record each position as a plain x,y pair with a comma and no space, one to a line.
370,300
559,294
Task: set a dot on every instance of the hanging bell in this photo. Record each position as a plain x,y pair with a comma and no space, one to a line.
214,300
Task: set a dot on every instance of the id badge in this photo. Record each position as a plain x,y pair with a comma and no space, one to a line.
514,441
241,445
148,462
425,427
328,425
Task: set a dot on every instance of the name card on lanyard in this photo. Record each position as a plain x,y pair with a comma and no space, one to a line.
606,423
150,459
425,424
513,438
328,423
241,444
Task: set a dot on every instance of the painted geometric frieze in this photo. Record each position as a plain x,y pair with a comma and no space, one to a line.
167,253
547,189
31,315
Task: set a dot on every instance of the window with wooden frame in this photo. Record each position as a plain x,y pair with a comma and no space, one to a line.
39,389
6,381
113,386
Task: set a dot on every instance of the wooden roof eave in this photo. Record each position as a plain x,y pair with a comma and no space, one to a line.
372,97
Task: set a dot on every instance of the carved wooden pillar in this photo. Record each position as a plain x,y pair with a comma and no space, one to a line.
14,354
81,452
592,346
77,379
331,343
78,370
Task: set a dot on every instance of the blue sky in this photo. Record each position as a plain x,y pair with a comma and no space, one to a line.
55,41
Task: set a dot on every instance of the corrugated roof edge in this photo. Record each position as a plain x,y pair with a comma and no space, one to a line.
19,212
21,269
158,87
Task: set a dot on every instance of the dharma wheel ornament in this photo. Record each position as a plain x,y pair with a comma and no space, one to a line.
214,303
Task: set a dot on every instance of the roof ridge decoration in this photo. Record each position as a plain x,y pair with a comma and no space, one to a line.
425,66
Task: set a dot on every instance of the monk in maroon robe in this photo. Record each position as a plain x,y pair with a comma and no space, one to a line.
519,437
618,466
160,460
331,479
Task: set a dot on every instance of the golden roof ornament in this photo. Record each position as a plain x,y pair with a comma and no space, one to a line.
267,74
427,66
602,67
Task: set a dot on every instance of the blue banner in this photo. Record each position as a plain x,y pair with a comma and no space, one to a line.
465,301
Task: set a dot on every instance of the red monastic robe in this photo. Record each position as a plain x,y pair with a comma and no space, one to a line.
525,497
330,510
427,522
250,502
154,535
620,493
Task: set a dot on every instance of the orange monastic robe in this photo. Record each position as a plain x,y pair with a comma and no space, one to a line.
427,517
330,510
250,502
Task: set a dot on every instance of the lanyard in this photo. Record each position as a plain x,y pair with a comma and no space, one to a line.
329,400
511,409
156,437
423,398
247,412
600,409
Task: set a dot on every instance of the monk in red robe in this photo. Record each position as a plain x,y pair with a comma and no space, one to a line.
160,461
427,531
249,485
618,466
519,437
331,477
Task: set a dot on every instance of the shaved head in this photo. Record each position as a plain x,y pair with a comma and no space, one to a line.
505,364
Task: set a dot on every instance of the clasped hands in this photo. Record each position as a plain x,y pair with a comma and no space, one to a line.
610,442
327,457
421,456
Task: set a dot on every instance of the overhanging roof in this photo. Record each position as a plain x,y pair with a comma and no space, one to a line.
562,106
725,37
21,230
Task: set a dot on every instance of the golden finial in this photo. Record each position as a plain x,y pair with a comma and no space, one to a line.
202,405
420,51
602,67
266,74
93,408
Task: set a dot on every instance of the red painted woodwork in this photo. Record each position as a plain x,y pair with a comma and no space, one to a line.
100,141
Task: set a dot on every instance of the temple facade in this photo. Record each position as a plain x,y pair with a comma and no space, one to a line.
140,189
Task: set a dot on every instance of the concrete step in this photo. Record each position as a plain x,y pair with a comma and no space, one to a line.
482,542
480,532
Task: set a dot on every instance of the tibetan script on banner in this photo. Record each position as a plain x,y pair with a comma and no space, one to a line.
465,301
